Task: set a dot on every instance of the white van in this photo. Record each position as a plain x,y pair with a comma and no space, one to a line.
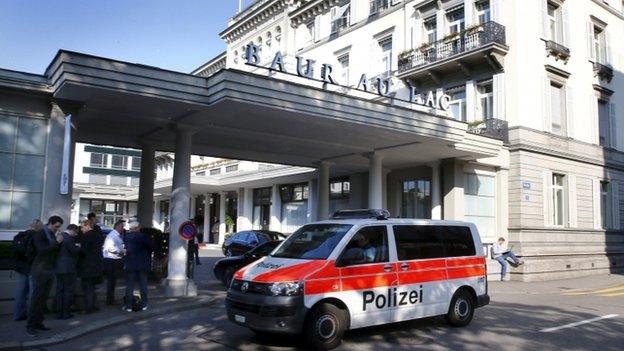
349,273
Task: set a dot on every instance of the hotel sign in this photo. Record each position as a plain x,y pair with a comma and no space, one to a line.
381,86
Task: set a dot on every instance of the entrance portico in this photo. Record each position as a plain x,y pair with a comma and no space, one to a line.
238,115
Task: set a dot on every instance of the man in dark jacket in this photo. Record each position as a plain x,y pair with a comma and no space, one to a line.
139,247
66,271
46,243
90,265
21,244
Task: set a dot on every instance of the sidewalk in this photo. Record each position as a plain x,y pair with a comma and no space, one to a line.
13,334
555,286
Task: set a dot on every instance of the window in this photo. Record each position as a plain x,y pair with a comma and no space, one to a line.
599,44
555,22
480,203
296,192
201,173
368,245
339,189
483,11
417,242
416,199
604,123
605,205
340,17
99,160
294,206
312,241
486,100
455,20
430,29
457,241
377,6
232,168
136,163
559,203
344,69
458,103
119,162
215,171
557,108
386,56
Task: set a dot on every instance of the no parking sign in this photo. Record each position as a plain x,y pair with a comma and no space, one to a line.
187,230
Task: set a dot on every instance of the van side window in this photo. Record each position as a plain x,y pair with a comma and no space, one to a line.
417,242
457,241
368,245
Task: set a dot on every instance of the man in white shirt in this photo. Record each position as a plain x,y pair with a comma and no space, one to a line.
113,252
501,254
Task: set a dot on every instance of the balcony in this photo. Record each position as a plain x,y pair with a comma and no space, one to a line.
474,46
558,51
491,127
603,72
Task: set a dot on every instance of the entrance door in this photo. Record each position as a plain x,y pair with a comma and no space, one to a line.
265,216
416,199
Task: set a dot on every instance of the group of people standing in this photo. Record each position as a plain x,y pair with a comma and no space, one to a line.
44,253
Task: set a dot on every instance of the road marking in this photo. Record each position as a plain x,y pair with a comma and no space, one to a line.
618,288
575,324
621,293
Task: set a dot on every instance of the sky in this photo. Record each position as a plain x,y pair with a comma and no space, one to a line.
178,35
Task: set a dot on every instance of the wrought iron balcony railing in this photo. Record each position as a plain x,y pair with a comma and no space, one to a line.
458,43
492,127
557,50
603,71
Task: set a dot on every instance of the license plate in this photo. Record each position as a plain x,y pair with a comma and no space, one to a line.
239,319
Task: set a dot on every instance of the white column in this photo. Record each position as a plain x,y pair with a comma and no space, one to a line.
156,219
471,97
207,215
222,226
322,211
502,202
275,223
440,24
375,181
469,11
248,210
145,206
436,191
192,206
312,200
177,284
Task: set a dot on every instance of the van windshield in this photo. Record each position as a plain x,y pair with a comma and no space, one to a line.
312,241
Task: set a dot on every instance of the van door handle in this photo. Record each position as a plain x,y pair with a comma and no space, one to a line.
388,268
404,266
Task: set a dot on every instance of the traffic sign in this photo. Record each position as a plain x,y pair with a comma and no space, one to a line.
187,230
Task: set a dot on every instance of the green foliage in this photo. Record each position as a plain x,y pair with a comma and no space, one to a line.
229,221
6,249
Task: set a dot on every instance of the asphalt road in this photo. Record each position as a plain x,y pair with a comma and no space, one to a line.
517,319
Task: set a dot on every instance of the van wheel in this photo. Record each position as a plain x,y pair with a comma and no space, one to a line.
325,326
461,310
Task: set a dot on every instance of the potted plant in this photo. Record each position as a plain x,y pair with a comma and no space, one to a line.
406,56
425,46
229,223
476,124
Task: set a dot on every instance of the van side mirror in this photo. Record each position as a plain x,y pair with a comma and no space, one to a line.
351,256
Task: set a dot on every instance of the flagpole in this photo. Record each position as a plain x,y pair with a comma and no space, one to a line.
240,5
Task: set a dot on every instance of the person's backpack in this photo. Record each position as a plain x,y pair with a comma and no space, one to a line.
23,245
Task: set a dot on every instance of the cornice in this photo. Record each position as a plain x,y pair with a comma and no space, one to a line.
252,16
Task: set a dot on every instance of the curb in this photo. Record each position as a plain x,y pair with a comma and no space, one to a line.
98,325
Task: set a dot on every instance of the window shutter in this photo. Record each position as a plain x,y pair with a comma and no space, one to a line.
613,126
567,41
615,201
547,198
608,53
596,203
317,28
572,201
498,86
590,41
471,101
545,21
418,31
569,111
495,10
593,119
546,105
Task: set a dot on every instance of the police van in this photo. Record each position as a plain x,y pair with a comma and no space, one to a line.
359,269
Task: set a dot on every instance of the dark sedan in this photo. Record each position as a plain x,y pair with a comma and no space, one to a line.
225,268
241,242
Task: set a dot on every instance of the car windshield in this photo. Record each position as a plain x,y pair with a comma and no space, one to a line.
264,249
313,241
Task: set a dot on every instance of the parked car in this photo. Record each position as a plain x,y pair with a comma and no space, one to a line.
241,242
225,268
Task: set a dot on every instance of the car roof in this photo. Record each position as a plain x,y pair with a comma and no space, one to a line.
411,221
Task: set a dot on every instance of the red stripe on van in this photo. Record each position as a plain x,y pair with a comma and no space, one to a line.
291,273
455,273
368,282
320,286
239,273
454,262
421,276
328,271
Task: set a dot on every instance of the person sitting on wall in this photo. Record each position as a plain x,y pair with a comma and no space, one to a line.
501,254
